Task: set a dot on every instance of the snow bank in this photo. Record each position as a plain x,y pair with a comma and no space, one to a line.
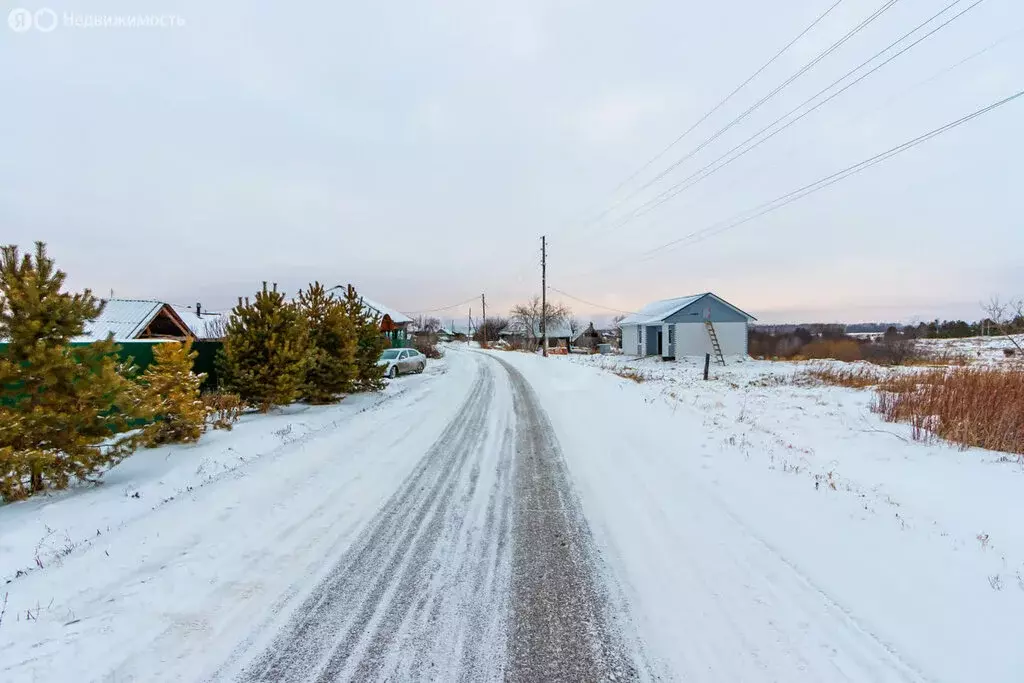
41,531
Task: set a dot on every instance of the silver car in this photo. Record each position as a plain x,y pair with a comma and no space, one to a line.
402,361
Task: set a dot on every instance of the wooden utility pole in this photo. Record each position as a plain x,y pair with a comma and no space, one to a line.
544,294
483,325
469,325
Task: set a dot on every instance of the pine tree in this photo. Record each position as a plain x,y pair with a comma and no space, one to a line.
265,352
333,344
58,403
370,342
172,395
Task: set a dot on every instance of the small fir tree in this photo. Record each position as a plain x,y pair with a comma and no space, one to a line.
63,409
332,345
369,345
172,393
265,352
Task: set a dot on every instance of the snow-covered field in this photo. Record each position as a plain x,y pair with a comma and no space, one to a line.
985,350
920,545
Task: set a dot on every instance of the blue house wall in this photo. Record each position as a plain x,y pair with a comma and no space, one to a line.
720,312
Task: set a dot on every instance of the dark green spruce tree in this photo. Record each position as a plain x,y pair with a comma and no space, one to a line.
369,344
333,344
266,350
63,410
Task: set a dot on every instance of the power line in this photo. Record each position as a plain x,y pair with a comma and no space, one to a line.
804,69
820,184
589,303
442,308
711,168
906,91
728,97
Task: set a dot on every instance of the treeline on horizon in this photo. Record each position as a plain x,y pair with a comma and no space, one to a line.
936,329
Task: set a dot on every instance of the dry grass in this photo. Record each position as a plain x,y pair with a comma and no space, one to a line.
969,406
944,359
856,377
840,349
633,374
223,409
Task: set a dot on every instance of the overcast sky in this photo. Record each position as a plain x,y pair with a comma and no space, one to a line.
420,149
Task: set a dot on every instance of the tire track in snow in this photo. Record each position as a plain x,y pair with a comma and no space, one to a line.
480,567
563,626
397,605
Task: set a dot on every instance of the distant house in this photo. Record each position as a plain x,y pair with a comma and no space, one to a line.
686,326
589,338
559,335
393,324
132,319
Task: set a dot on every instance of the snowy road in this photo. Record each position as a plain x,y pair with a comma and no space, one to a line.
424,593
509,519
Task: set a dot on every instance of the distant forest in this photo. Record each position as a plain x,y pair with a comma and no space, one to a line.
936,329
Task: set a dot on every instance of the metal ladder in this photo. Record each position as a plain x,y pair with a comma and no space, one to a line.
714,342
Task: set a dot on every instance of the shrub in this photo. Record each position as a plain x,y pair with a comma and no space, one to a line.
891,351
223,408
16,469
837,349
171,393
968,406
427,345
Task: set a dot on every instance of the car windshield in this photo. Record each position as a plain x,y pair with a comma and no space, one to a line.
390,354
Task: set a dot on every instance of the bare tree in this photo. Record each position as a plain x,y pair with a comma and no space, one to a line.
490,328
526,318
427,325
215,327
575,326
1005,314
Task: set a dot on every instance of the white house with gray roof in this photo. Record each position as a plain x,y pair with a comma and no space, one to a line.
686,326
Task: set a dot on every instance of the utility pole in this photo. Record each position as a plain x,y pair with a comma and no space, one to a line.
483,325
469,326
544,294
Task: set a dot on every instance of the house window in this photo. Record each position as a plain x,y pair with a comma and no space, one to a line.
639,341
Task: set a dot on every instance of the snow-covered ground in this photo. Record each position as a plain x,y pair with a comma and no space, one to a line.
919,545
753,527
179,573
43,530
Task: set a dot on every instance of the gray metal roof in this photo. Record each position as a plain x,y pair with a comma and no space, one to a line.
124,318
659,310
397,317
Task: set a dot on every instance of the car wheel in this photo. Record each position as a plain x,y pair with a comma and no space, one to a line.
393,372
423,366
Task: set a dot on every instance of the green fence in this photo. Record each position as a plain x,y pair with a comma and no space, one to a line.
141,353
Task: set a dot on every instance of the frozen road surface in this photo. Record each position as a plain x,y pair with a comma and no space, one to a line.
498,521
